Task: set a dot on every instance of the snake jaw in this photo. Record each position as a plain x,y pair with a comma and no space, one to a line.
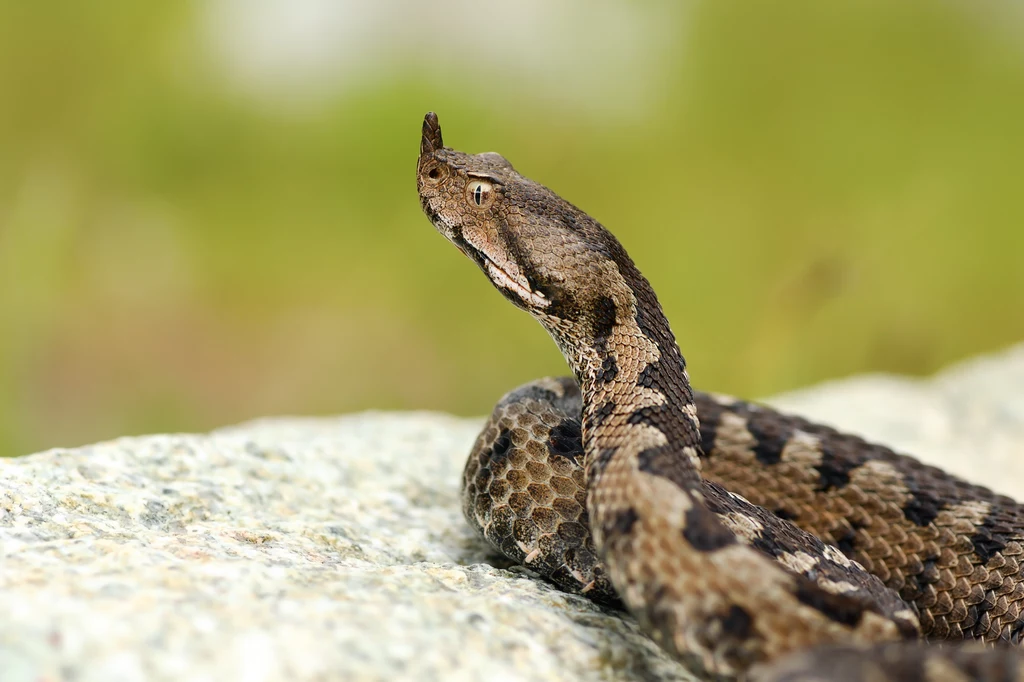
514,283
503,280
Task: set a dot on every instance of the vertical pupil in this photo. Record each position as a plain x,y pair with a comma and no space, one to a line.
478,195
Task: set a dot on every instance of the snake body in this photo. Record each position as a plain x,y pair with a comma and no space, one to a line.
738,539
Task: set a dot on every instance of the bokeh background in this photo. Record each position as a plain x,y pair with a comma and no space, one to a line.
208,209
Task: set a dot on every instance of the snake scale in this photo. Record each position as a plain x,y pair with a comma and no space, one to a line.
749,544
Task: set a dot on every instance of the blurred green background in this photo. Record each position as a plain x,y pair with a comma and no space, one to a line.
208,209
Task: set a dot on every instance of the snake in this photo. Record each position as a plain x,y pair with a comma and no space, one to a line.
749,544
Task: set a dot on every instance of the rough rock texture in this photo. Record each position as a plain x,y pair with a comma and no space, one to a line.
334,549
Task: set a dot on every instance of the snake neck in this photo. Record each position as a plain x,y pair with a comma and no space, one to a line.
636,390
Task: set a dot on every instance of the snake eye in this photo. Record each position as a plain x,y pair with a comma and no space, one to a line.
480,193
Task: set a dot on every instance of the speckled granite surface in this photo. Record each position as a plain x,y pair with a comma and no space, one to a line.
334,549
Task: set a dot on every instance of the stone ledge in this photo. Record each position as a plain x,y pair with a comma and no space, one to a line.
334,549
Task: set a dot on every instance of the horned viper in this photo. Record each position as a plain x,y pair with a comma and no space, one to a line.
747,543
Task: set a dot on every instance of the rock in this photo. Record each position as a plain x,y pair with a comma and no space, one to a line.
293,549
334,549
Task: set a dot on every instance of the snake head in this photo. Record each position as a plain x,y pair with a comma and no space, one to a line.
541,252
463,195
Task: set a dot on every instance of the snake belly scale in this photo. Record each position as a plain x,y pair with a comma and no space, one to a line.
747,543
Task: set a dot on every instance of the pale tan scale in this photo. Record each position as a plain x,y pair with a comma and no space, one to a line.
802,449
735,437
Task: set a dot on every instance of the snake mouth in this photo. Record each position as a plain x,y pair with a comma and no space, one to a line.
502,279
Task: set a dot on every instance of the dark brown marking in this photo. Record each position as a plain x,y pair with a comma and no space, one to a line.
705,532
737,623
651,321
784,514
771,437
603,457
621,523
652,376
501,447
929,575
977,614
609,370
566,440
836,607
767,545
833,473
1016,634
986,546
603,412
710,415
990,538
922,507
603,321
666,418
846,541
563,305
665,461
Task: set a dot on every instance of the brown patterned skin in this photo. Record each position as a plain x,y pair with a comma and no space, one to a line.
950,548
676,549
524,490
